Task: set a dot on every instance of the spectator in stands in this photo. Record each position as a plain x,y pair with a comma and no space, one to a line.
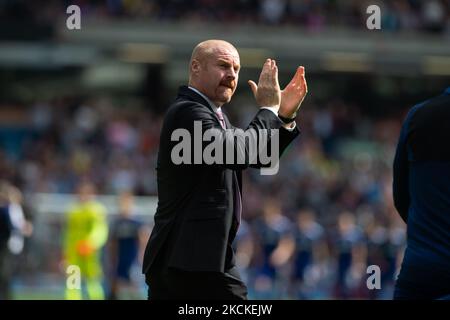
127,241
274,237
351,256
402,15
5,233
13,228
310,244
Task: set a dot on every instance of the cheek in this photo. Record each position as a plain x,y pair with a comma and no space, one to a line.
215,79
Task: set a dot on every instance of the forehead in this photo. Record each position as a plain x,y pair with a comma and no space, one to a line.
225,53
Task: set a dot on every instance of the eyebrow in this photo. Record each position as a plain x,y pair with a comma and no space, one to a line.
229,63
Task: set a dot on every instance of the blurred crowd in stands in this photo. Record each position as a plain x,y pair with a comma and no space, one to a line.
313,15
310,231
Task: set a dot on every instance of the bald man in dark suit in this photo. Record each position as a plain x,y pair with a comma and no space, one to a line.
189,254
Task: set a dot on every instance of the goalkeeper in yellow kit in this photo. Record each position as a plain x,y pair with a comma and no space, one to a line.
85,235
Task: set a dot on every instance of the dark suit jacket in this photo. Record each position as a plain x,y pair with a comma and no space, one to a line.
195,222
5,225
422,195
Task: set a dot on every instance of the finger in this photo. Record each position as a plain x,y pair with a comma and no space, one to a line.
295,79
275,76
268,65
304,85
265,70
300,73
253,86
298,80
274,65
301,86
272,74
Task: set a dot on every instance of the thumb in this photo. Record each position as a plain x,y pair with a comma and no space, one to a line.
253,86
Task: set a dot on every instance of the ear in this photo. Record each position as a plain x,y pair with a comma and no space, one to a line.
195,66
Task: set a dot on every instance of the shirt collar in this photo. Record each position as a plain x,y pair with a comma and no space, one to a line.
213,106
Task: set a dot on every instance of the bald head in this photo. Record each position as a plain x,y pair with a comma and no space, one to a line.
208,48
214,69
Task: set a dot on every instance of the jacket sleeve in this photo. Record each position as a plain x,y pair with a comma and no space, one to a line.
261,143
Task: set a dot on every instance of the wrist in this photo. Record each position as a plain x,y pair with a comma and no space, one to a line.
289,126
287,119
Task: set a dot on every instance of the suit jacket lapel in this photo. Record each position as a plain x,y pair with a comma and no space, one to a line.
192,95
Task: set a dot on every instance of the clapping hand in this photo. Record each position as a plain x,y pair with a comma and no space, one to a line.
267,93
293,94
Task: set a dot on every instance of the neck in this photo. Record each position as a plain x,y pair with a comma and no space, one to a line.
213,103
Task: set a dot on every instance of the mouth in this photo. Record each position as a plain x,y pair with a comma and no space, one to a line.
228,86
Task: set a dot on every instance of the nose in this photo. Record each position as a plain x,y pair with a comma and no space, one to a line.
231,74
